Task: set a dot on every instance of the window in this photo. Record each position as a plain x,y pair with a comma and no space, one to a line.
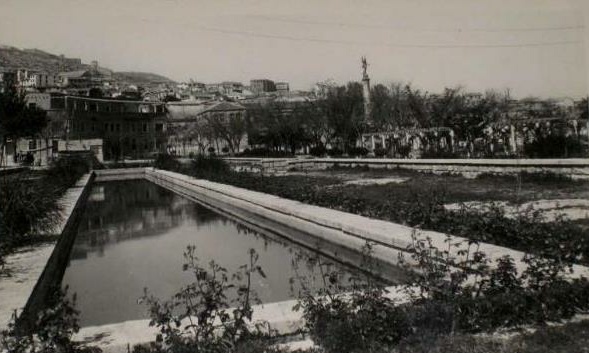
105,127
159,127
93,107
118,127
144,127
112,127
32,145
54,146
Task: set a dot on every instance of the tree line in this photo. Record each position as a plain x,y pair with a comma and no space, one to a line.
336,120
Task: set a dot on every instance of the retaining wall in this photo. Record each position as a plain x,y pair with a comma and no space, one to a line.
38,268
389,240
575,168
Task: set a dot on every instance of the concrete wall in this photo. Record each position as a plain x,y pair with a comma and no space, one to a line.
39,269
575,168
350,231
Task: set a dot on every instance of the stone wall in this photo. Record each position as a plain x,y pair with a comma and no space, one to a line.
575,168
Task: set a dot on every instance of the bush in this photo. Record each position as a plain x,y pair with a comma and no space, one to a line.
167,162
28,206
318,151
555,146
200,317
208,165
335,152
264,152
358,151
66,170
51,332
449,294
380,152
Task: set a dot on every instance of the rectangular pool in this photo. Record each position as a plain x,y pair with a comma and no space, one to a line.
132,235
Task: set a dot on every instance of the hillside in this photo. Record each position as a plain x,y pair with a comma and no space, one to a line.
35,59
140,77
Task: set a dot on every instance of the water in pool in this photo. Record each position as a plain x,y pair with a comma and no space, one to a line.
132,235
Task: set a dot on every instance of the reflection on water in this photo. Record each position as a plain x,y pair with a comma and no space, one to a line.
132,236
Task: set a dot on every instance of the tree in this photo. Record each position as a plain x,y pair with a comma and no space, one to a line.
17,120
382,107
344,109
231,130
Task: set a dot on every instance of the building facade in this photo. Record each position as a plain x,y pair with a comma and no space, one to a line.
262,86
282,87
206,127
129,129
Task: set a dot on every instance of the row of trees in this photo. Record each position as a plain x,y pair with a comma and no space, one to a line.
338,118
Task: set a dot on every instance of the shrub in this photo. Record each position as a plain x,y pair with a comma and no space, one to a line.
66,170
51,332
335,152
211,150
198,318
380,152
555,146
225,149
208,165
28,206
167,162
358,151
318,151
455,290
484,295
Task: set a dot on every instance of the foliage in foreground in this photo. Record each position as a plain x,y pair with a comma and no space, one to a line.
454,291
52,331
28,202
202,317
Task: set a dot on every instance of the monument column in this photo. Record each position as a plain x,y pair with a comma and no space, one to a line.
366,93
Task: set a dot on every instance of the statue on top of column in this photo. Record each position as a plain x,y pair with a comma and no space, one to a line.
364,66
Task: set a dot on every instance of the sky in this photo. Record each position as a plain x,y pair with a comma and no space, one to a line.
531,47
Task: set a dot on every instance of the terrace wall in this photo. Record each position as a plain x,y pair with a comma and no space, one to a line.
575,168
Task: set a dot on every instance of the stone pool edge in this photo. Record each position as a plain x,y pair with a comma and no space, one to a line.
17,293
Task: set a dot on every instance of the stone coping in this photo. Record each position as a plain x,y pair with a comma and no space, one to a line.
552,162
344,228
277,316
27,264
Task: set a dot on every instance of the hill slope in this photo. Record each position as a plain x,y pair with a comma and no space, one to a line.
140,77
14,58
35,59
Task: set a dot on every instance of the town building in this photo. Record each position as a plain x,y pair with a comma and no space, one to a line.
262,86
93,77
282,87
197,127
129,129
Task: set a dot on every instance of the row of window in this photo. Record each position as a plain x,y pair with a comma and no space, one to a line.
117,127
117,107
